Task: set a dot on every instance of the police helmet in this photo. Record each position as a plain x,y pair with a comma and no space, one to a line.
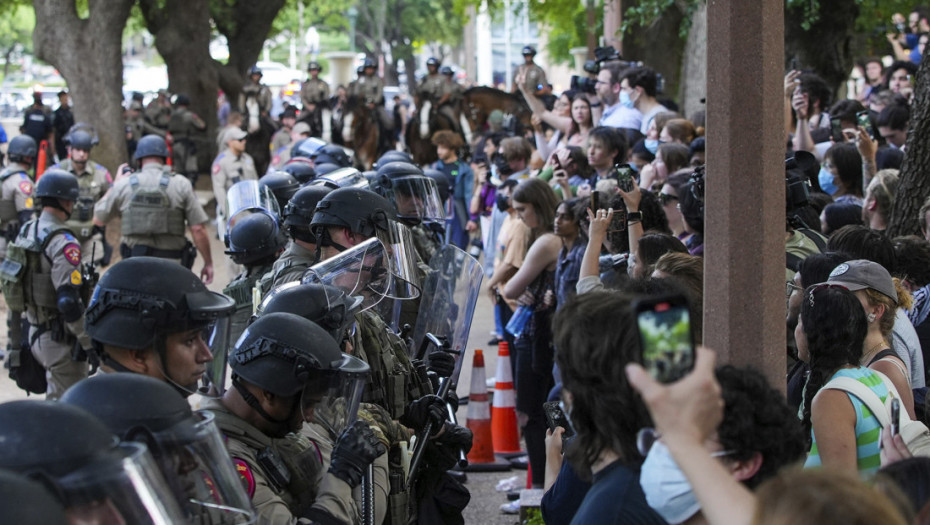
254,238
446,70
325,168
299,211
314,66
22,149
442,182
361,211
528,50
432,61
327,306
151,146
255,70
360,70
393,156
282,184
415,196
331,154
26,502
306,147
282,353
80,139
58,184
182,100
368,63
142,298
301,169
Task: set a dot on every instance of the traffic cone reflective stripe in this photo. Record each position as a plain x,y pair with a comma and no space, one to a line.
503,413
481,456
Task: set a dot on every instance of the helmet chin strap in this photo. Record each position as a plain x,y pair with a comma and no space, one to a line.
253,402
161,350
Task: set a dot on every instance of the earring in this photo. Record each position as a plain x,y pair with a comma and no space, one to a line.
871,318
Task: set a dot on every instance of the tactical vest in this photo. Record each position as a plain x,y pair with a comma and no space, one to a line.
240,289
291,464
150,211
22,280
8,211
81,221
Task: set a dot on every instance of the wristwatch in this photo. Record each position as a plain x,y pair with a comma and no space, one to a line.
633,217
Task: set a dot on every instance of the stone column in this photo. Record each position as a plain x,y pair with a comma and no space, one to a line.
341,67
744,266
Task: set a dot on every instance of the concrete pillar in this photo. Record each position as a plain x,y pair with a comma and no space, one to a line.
341,67
483,56
580,54
613,17
744,301
471,68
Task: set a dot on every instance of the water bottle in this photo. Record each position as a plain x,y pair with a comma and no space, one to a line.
519,321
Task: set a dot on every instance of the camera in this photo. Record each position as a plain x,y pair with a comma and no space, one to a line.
797,185
606,53
583,84
592,67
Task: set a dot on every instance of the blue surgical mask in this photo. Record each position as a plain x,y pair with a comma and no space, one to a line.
625,100
634,167
665,486
652,145
825,178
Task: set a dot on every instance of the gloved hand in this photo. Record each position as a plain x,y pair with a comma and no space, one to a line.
442,453
356,449
456,437
419,412
442,363
392,431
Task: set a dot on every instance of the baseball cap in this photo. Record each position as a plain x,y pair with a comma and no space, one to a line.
861,274
235,134
300,128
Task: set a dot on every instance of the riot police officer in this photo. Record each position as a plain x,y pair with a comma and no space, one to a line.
96,479
49,284
187,445
93,180
284,369
535,82
43,508
282,185
186,129
148,316
301,253
155,205
314,95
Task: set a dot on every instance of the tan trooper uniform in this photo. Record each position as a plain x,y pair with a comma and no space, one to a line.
535,78
158,114
15,201
229,169
93,182
310,489
185,127
154,205
370,89
51,338
260,92
314,94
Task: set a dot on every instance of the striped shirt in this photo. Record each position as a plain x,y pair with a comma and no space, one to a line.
868,430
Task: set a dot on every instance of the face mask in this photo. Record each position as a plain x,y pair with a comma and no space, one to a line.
503,202
825,178
665,486
635,167
652,145
625,100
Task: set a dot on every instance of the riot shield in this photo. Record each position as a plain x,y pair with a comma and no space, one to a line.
448,301
248,196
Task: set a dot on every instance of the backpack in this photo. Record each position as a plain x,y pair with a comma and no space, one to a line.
915,434
16,264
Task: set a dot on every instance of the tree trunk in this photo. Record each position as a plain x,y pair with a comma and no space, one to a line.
87,53
827,46
914,186
694,64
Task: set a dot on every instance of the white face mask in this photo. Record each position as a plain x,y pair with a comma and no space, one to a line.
665,486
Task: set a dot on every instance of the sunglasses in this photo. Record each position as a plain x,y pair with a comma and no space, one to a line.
822,286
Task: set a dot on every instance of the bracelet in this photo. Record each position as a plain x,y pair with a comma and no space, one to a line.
595,105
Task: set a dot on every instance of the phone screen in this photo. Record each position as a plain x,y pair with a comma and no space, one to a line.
667,341
556,418
836,130
862,118
895,416
625,177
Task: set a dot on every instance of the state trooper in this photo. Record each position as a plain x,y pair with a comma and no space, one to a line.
534,77
93,180
185,128
158,111
187,445
230,166
287,370
254,90
314,95
49,282
95,478
301,252
370,89
149,316
435,90
154,205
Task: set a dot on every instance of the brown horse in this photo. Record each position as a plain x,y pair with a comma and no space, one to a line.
479,102
421,148
361,131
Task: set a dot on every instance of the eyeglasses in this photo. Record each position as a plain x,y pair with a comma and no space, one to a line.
647,437
790,287
822,286
667,198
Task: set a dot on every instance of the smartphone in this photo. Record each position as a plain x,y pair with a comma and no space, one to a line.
895,416
862,119
794,64
624,177
665,333
556,418
836,130
595,200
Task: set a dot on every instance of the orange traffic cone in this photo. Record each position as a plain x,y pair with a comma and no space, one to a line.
481,456
503,410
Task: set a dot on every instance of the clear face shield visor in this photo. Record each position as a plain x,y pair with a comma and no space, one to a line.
331,402
248,196
416,198
196,464
398,239
336,308
124,487
364,270
343,178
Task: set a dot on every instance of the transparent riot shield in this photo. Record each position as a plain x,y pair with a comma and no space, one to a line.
398,239
450,294
248,196
331,403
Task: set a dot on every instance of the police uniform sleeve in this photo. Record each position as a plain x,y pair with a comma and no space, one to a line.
64,252
108,206
22,195
193,211
248,168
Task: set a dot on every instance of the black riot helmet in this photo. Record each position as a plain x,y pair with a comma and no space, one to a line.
393,156
415,196
82,462
331,154
432,61
528,50
361,211
442,182
306,147
81,138
26,502
325,168
255,70
186,445
57,184
314,66
151,146
283,186
301,169
326,306
446,70
22,149
299,212
368,63
254,239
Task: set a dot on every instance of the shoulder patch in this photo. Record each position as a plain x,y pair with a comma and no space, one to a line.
68,237
73,253
76,278
25,186
216,167
29,203
245,474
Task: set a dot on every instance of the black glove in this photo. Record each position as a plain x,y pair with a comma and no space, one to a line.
442,453
456,437
12,231
102,230
419,412
441,363
356,449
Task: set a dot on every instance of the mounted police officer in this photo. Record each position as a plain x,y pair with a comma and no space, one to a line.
154,205
148,316
535,78
287,370
187,446
255,92
369,88
94,180
314,95
48,284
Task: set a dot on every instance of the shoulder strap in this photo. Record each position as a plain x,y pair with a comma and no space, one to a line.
815,238
165,180
864,394
134,181
51,235
792,261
